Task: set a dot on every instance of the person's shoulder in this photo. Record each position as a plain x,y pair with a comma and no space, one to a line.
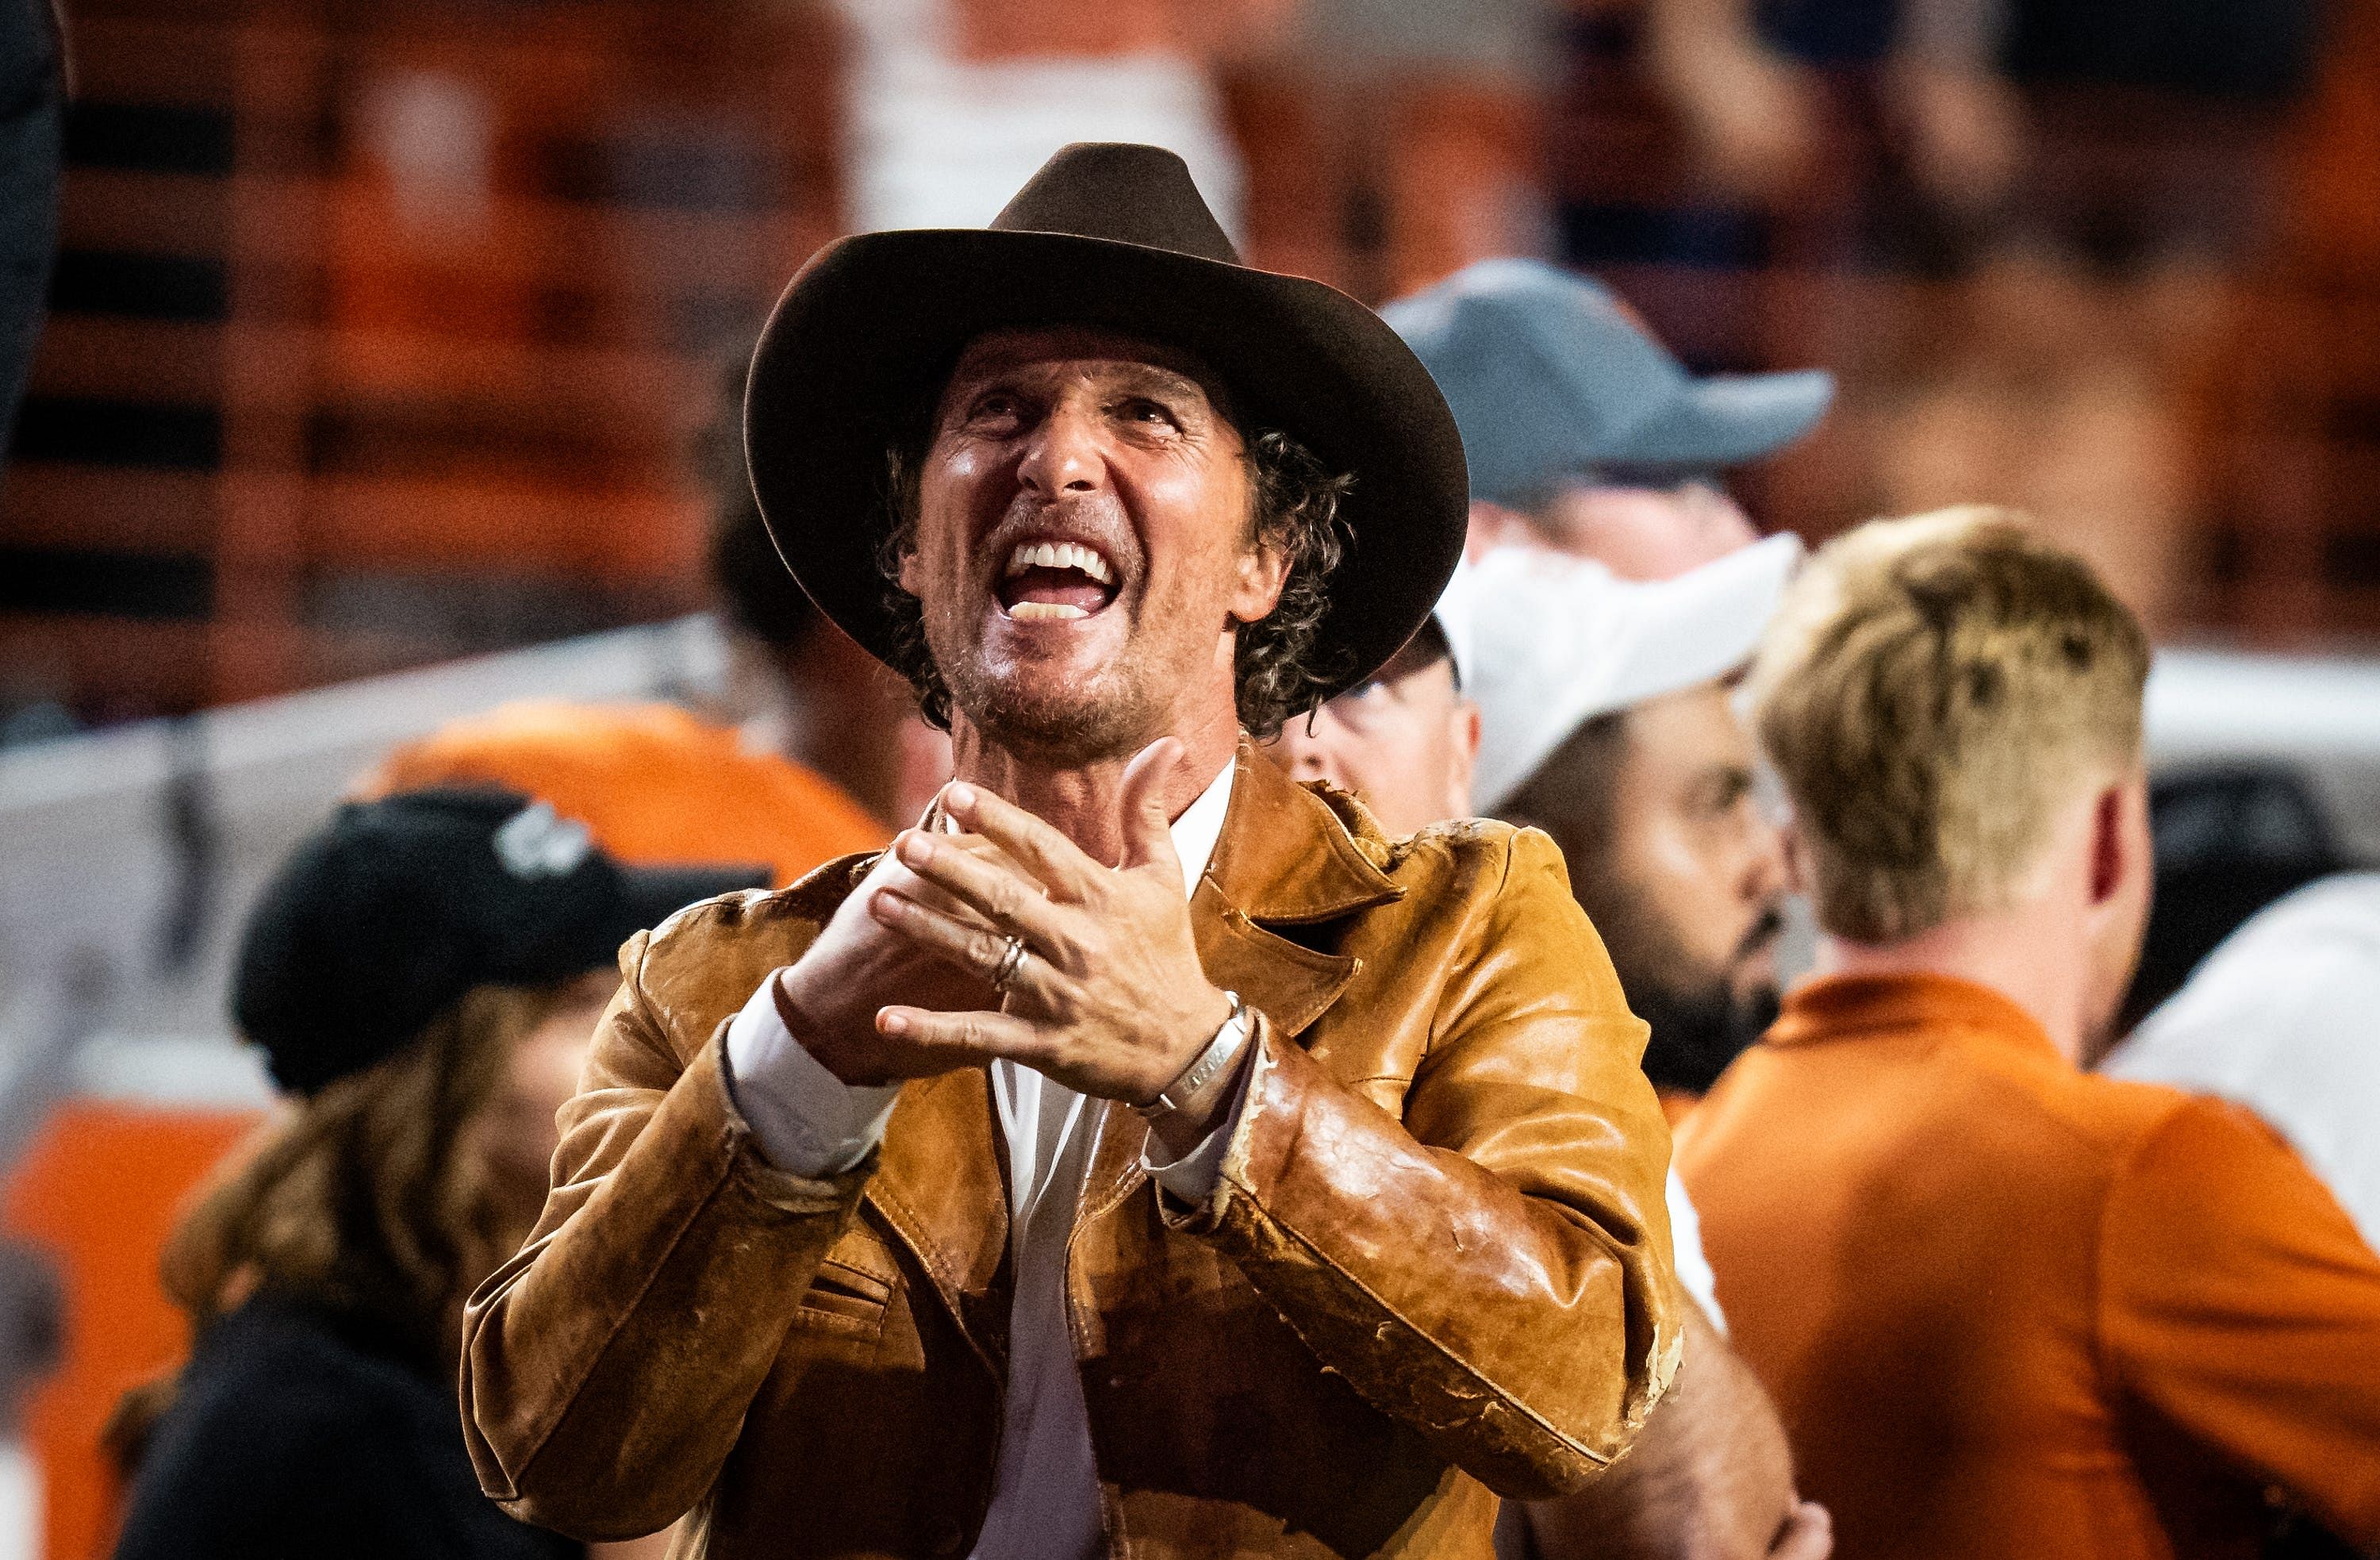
1454,858
2103,1119
719,950
273,1389
2200,1147
496,746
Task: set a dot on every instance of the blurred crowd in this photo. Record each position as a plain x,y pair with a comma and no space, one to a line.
2025,1185
2098,259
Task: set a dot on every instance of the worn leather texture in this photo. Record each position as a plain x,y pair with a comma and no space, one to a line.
1435,1268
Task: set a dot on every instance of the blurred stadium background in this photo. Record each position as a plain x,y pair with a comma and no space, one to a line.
382,338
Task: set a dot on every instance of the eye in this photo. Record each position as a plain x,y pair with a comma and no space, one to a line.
1727,791
1148,413
996,405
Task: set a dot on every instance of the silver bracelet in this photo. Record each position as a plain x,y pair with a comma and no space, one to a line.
1219,1055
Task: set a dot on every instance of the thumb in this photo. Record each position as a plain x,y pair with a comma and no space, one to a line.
1147,831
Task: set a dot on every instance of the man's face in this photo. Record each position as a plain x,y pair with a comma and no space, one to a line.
1650,529
1403,742
1084,552
1686,879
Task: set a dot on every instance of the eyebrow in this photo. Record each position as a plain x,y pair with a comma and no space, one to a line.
1132,375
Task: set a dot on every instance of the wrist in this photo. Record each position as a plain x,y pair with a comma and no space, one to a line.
1185,1110
812,1032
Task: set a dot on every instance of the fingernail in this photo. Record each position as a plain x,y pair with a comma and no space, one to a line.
960,794
914,848
889,1022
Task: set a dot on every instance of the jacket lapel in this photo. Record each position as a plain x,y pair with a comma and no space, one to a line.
1284,859
941,1187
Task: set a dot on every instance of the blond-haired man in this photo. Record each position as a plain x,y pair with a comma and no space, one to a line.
2007,1307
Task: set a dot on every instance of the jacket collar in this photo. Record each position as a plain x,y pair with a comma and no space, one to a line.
1288,858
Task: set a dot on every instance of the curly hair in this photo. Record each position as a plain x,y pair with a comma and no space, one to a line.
1280,668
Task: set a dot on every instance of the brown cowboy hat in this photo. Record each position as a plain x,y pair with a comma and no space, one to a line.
1116,238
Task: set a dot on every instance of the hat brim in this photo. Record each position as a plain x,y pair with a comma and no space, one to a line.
863,339
1730,418
1639,640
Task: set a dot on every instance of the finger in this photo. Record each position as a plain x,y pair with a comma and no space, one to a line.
1056,862
988,885
893,872
976,1037
959,941
1147,830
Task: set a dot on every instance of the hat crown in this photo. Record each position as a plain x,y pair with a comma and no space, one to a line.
1123,193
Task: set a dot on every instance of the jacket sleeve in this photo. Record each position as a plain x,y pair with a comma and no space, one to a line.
607,1367
1494,1269
2237,1300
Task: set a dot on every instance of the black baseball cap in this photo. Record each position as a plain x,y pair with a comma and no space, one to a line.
396,907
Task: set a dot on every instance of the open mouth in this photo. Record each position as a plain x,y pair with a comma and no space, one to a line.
1052,581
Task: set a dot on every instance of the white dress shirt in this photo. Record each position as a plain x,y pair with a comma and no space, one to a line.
1686,1253
1045,1501
2284,1017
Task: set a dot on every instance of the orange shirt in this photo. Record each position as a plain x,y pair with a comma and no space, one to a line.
655,786
2010,1308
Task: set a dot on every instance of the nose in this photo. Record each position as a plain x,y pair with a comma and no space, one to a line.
1063,455
1767,878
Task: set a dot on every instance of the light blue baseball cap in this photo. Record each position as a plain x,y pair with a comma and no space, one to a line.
1549,376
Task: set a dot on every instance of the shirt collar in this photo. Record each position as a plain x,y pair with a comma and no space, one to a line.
1866,1006
1200,825
1195,833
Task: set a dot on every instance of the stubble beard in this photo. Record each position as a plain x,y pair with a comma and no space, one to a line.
1108,715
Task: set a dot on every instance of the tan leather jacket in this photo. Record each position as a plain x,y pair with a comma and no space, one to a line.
1436,1265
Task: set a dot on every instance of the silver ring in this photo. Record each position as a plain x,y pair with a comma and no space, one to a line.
1011,959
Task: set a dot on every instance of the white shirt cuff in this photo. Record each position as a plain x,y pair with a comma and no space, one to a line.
1191,1177
807,1120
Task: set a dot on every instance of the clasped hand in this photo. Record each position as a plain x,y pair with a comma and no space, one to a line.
1108,997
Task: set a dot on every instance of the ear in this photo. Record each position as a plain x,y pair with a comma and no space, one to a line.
908,576
1462,756
1264,570
2106,847
2120,842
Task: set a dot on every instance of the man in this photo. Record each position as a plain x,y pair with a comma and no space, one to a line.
1648,782
1584,432
1710,1476
1303,1218
2007,1307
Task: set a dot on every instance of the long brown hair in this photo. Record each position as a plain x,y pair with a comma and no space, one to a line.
368,1199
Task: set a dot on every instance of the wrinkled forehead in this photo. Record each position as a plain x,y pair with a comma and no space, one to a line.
1110,359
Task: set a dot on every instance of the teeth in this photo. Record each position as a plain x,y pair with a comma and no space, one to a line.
1059,555
1035,612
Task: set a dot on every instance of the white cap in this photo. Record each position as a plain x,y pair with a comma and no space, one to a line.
1545,641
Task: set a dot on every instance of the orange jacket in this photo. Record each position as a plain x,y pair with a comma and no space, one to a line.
2010,1308
654,785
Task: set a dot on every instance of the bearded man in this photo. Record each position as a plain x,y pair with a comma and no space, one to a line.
1146,1155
